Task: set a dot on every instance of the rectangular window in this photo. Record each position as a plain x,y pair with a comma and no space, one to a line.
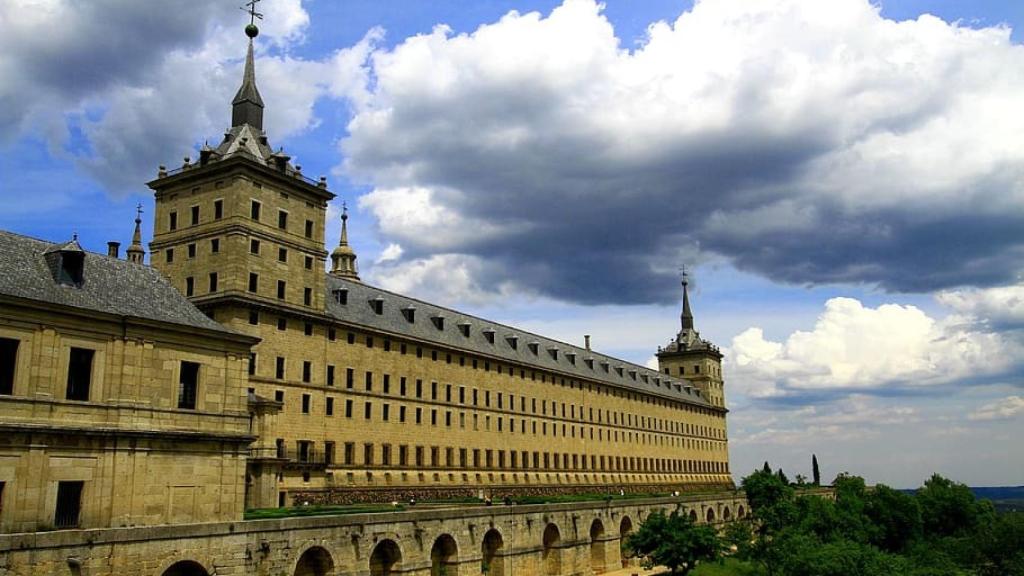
387,384
218,209
279,396
79,374
280,289
349,377
369,381
348,408
188,385
8,359
307,369
69,504
254,210
308,262
282,219
307,296
254,246
367,410
173,221
279,369
252,363
329,451
213,281
169,254
330,375
282,254
195,215
309,228
190,286
215,245
254,281
368,454
385,414
332,335
306,401
254,317
308,329
282,323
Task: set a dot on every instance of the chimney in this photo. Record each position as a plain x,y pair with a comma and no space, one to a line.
113,248
586,341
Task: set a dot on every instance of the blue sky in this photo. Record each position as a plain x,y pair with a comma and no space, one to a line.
846,183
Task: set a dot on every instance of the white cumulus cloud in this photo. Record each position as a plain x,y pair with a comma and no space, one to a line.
1009,407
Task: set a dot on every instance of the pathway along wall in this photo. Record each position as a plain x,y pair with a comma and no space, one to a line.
549,539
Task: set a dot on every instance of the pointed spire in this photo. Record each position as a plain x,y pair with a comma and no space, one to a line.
687,316
343,258
247,107
135,252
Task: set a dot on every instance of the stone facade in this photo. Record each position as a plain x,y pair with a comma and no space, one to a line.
572,540
110,431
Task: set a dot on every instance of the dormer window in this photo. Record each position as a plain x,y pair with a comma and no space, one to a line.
657,382
632,374
464,328
67,264
489,335
618,369
644,378
554,353
572,357
410,314
513,342
378,305
341,296
604,366
589,362
534,347
438,321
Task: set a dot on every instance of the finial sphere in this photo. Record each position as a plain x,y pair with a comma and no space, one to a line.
252,31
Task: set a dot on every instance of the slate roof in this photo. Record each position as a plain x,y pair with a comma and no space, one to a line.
109,285
359,310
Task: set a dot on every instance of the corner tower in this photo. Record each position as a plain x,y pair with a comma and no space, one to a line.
242,227
691,357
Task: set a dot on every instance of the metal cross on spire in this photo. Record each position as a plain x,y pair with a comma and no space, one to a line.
138,212
250,7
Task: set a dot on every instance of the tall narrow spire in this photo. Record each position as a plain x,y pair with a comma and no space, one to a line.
687,316
247,107
343,258
135,252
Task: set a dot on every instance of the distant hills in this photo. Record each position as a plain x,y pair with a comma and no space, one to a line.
1004,498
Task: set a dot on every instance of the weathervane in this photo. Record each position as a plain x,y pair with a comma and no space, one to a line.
683,273
251,30
138,212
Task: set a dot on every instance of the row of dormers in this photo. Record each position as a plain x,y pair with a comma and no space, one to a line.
377,304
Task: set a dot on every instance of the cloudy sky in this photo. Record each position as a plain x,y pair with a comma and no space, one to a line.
844,179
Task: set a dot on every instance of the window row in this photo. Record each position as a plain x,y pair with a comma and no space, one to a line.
80,376
438,457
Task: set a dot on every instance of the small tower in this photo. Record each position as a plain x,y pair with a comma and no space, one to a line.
691,357
343,258
135,252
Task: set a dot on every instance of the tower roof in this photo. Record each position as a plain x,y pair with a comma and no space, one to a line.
687,316
343,258
247,106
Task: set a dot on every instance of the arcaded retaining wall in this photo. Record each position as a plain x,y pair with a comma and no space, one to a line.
551,539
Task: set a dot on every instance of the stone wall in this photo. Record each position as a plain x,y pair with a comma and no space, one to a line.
564,539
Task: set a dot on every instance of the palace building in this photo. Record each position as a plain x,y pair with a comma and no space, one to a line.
235,372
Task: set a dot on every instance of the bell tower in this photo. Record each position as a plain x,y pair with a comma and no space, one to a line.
242,227
691,357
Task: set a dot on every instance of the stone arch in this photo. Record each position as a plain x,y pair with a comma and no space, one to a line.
741,513
710,515
492,559
551,557
386,559
444,556
597,559
693,516
625,529
315,561
726,514
186,568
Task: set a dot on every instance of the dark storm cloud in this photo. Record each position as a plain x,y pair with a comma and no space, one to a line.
806,145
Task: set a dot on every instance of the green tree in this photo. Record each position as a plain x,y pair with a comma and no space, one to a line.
949,508
675,542
783,478
896,517
815,473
